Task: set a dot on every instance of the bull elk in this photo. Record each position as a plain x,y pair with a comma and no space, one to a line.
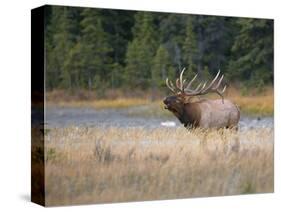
203,113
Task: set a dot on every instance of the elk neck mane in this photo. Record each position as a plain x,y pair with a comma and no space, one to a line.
191,113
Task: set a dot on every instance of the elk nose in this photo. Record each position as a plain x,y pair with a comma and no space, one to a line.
165,101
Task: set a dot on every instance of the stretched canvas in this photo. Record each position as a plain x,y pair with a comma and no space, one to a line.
138,105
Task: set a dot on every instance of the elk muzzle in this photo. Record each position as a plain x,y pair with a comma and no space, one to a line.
172,103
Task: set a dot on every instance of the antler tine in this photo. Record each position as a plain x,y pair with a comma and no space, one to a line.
198,87
220,93
210,86
204,85
169,86
181,83
219,82
201,89
178,83
213,87
191,81
171,83
213,81
223,90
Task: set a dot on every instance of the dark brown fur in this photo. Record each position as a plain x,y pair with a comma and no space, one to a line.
191,114
188,114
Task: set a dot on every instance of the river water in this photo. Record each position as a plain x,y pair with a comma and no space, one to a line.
89,117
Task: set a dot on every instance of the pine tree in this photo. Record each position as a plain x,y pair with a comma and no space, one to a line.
159,71
58,44
132,74
118,24
73,65
141,51
160,66
217,39
253,51
190,47
206,74
172,33
94,47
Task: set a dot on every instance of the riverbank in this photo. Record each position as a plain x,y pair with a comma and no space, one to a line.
138,116
252,103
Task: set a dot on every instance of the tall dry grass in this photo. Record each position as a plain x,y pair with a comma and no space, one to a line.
95,165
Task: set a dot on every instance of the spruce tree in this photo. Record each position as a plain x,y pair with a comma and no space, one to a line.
190,47
160,66
59,42
132,73
94,47
253,51
216,40
141,51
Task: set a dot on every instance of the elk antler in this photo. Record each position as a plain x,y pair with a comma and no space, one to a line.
201,89
179,84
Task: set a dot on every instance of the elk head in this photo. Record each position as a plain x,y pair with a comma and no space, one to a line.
184,91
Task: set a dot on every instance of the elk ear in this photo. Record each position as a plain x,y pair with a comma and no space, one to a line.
181,97
189,99
185,100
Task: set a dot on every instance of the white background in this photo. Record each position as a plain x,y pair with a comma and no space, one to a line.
15,103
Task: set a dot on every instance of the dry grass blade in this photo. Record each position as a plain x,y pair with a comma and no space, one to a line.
162,163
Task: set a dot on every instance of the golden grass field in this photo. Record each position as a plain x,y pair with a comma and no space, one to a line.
98,165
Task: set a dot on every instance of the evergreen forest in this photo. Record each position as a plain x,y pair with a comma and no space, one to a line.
98,49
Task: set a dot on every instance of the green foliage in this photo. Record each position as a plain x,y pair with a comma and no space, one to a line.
95,46
141,51
253,51
217,40
206,73
190,47
59,42
99,49
71,74
160,66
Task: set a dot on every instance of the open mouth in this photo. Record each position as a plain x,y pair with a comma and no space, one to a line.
167,106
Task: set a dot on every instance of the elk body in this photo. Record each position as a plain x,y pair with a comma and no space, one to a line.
204,113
